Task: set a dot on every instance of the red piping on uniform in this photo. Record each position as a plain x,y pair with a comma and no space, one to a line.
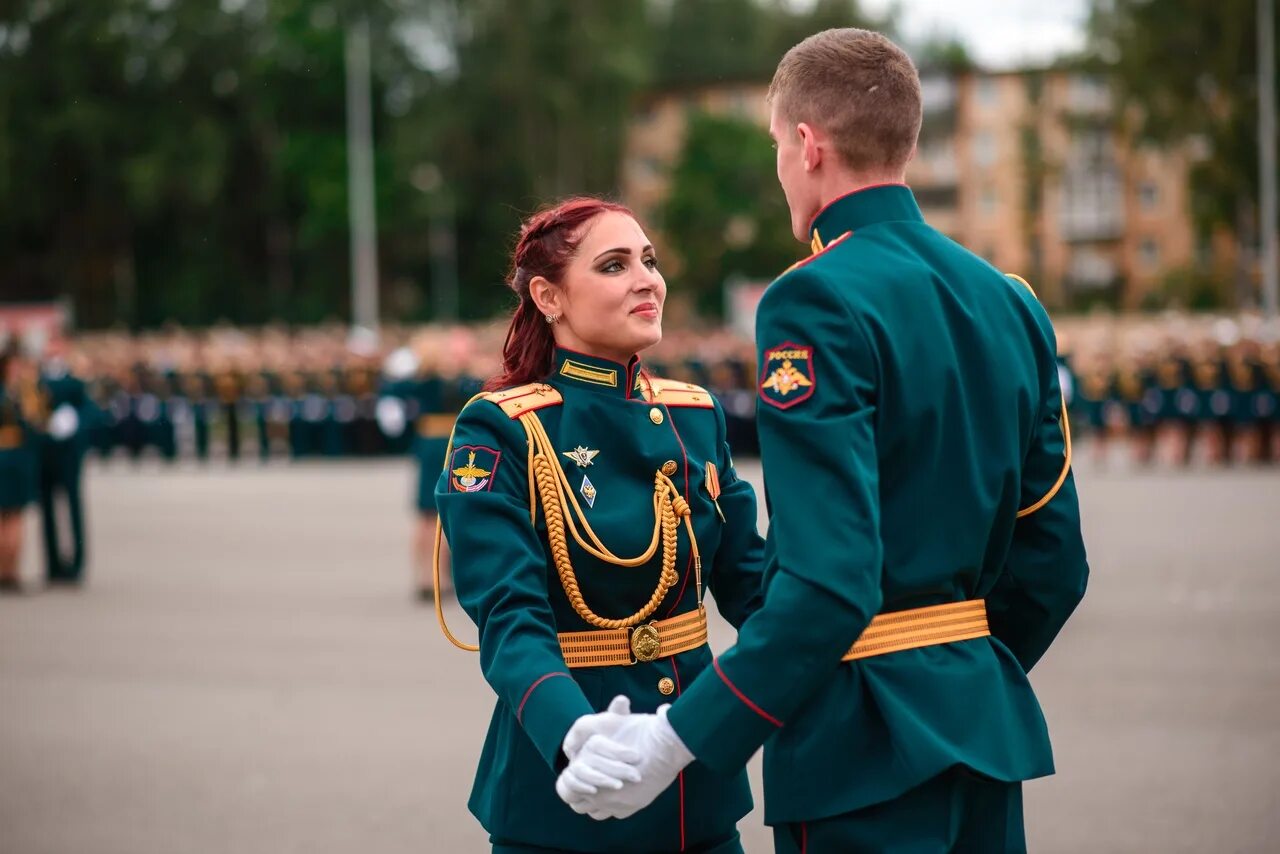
540,680
823,209
684,454
804,837
824,250
675,671
743,697
681,810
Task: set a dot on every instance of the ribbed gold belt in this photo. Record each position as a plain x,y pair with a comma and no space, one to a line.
935,624
645,642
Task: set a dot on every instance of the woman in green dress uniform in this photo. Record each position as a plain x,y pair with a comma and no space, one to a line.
587,505
19,455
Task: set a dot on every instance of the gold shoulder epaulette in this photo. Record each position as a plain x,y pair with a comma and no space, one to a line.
524,398
676,393
1024,282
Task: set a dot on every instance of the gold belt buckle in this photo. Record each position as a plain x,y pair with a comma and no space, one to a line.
645,643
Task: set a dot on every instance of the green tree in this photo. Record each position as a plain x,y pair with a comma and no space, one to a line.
726,214
1190,69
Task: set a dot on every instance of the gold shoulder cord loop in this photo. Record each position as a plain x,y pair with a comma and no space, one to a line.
1066,433
548,481
435,558
1066,467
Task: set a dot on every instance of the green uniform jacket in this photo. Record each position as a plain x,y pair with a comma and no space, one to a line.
507,582
909,407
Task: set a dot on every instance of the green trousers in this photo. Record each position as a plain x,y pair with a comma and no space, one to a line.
958,812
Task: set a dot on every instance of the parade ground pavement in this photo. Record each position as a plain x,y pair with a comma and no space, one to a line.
246,671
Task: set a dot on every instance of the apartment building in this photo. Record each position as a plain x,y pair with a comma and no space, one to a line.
1026,168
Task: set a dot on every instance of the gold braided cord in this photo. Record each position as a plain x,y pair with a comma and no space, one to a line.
669,508
548,480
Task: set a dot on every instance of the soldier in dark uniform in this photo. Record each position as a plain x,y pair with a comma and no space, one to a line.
1267,402
61,468
1133,380
1093,394
21,413
228,391
924,542
437,407
588,505
1179,402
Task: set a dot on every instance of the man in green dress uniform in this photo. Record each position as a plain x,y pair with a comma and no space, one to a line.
924,546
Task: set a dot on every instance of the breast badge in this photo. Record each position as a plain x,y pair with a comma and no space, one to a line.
473,476
787,377
588,491
581,455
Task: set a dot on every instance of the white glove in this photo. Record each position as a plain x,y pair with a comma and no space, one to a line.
662,757
602,723
64,422
601,765
390,415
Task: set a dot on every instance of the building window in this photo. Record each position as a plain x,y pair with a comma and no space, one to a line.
984,148
989,202
1149,253
1148,195
988,92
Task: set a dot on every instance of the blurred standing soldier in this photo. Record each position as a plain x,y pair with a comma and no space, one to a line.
1267,403
397,406
227,388
20,412
924,546
1093,393
1245,379
432,427
258,401
1213,402
193,386
1132,382
62,467
1178,404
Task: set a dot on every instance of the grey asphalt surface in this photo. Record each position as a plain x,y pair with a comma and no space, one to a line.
246,672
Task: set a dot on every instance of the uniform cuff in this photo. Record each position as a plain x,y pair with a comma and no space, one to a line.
720,725
549,708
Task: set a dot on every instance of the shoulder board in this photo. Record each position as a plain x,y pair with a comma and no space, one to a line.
524,398
1024,282
823,251
676,393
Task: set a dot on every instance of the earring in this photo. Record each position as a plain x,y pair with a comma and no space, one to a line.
552,318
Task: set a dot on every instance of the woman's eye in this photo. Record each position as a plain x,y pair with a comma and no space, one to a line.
651,262
612,267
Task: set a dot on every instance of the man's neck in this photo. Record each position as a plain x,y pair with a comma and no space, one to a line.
841,182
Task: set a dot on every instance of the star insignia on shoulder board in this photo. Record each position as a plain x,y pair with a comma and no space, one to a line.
581,455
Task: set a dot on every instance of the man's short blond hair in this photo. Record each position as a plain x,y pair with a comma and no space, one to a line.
860,88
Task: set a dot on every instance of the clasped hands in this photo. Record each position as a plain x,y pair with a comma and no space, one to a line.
620,762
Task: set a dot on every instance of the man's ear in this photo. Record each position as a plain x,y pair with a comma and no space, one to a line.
810,149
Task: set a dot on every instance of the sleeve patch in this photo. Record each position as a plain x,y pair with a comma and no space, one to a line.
472,468
787,376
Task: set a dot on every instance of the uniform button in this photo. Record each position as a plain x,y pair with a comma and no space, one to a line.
666,687
655,415
669,468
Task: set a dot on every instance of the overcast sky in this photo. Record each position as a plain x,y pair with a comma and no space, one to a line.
998,33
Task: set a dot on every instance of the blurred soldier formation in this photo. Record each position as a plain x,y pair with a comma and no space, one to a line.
1167,391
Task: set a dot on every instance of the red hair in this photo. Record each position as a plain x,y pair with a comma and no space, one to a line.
548,241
